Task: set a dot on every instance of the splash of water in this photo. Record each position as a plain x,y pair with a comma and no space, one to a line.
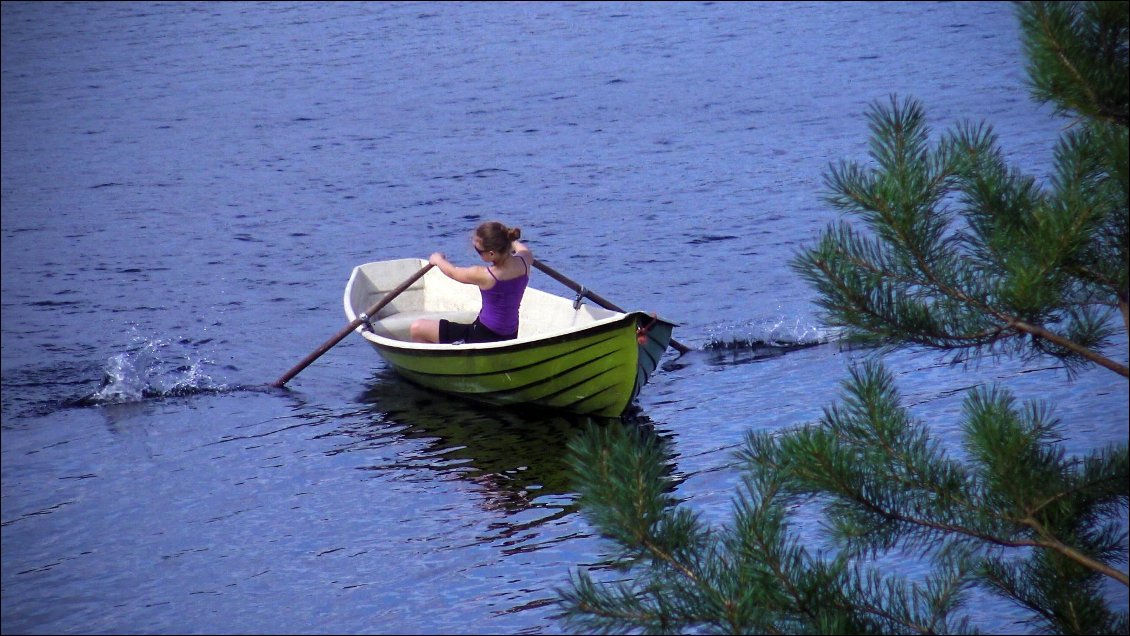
781,332
157,368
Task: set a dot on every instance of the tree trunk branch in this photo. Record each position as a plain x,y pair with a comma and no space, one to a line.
1098,359
1052,543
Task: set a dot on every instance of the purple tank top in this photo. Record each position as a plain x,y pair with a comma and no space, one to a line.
501,302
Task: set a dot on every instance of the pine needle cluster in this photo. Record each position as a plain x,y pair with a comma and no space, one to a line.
954,250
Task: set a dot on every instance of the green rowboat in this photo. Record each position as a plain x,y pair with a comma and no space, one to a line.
568,356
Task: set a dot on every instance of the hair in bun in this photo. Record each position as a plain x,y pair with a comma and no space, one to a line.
496,237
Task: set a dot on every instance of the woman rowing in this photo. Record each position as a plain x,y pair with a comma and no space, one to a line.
502,284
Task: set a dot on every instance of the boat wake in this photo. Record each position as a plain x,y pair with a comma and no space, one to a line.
756,341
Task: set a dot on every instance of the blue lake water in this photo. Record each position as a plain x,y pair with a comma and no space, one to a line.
186,187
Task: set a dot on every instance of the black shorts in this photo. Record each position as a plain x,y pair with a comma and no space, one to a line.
476,332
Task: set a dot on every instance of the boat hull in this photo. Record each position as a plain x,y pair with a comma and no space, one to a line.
595,365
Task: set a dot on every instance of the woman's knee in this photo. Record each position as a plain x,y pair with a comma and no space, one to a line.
423,330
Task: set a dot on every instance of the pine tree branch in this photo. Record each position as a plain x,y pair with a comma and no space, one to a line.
1052,543
860,302
1056,47
666,557
1047,541
879,611
1012,321
1080,489
769,550
1060,53
858,190
1009,590
636,618
1008,322
1036,330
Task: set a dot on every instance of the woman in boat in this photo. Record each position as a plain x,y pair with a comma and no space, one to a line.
502,283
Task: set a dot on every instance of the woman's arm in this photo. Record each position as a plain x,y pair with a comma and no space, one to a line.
475,275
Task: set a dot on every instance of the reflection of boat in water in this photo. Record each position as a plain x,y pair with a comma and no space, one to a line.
567,356
518,458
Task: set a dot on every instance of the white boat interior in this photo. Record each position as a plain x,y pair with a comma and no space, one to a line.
436,296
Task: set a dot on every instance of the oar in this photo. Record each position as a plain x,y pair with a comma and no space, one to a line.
339,336
583,291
